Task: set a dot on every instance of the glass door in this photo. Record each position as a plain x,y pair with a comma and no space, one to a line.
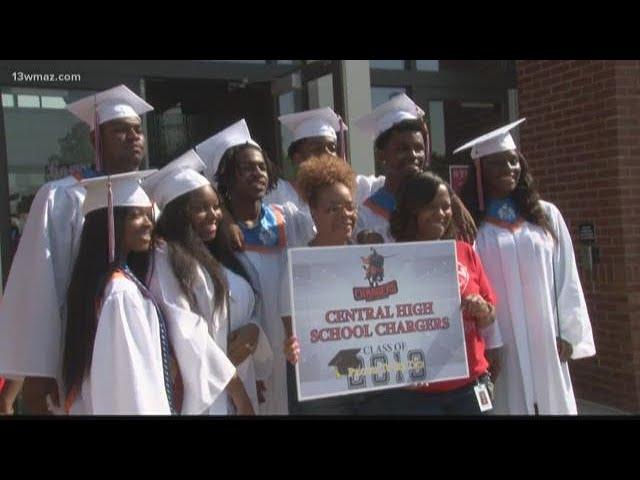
43,142
455,118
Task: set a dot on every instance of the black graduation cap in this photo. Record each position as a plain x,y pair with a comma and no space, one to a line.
345,359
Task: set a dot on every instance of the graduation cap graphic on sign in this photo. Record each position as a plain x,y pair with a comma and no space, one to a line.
345,359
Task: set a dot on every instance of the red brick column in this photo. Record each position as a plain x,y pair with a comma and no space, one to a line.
582,140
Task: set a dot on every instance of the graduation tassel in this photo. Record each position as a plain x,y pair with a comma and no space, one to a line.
426,134
555,293
96,130
427,139
476,162
343,146
110,223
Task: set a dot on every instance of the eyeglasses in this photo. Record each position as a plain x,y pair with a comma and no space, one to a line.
347,208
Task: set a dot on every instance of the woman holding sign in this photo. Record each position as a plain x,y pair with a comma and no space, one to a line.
328,184
543,316
423,214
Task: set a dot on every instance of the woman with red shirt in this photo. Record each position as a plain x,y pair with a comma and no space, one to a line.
423,213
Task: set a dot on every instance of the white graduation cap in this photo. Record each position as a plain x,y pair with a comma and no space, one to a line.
125,188
499,140
175,179
321,122
117,102
385,116
212,150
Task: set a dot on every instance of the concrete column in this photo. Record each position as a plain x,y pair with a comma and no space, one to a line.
357,87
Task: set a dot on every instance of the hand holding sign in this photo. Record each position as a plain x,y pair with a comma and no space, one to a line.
292,350
480,309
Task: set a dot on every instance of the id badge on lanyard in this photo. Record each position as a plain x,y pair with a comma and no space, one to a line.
482,395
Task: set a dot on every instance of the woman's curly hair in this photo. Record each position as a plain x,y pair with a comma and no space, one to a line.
322,171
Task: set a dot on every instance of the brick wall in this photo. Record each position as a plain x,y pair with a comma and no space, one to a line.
582,140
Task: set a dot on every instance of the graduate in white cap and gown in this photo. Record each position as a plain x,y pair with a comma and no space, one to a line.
31,333
528,255
117,354
316,132
206,303
244,175
401,145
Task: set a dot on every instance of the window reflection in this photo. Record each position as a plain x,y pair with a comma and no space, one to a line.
462,121
289,102
387,64
8,101
478,66
379,95
28,101
428,65
44,142
237,61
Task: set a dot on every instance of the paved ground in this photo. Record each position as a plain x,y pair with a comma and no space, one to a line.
589,408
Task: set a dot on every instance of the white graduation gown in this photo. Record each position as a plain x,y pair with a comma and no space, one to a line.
367,185
199,339
520,265
243,311
32,315
126,375
370,220
269,265
285,194
282,194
